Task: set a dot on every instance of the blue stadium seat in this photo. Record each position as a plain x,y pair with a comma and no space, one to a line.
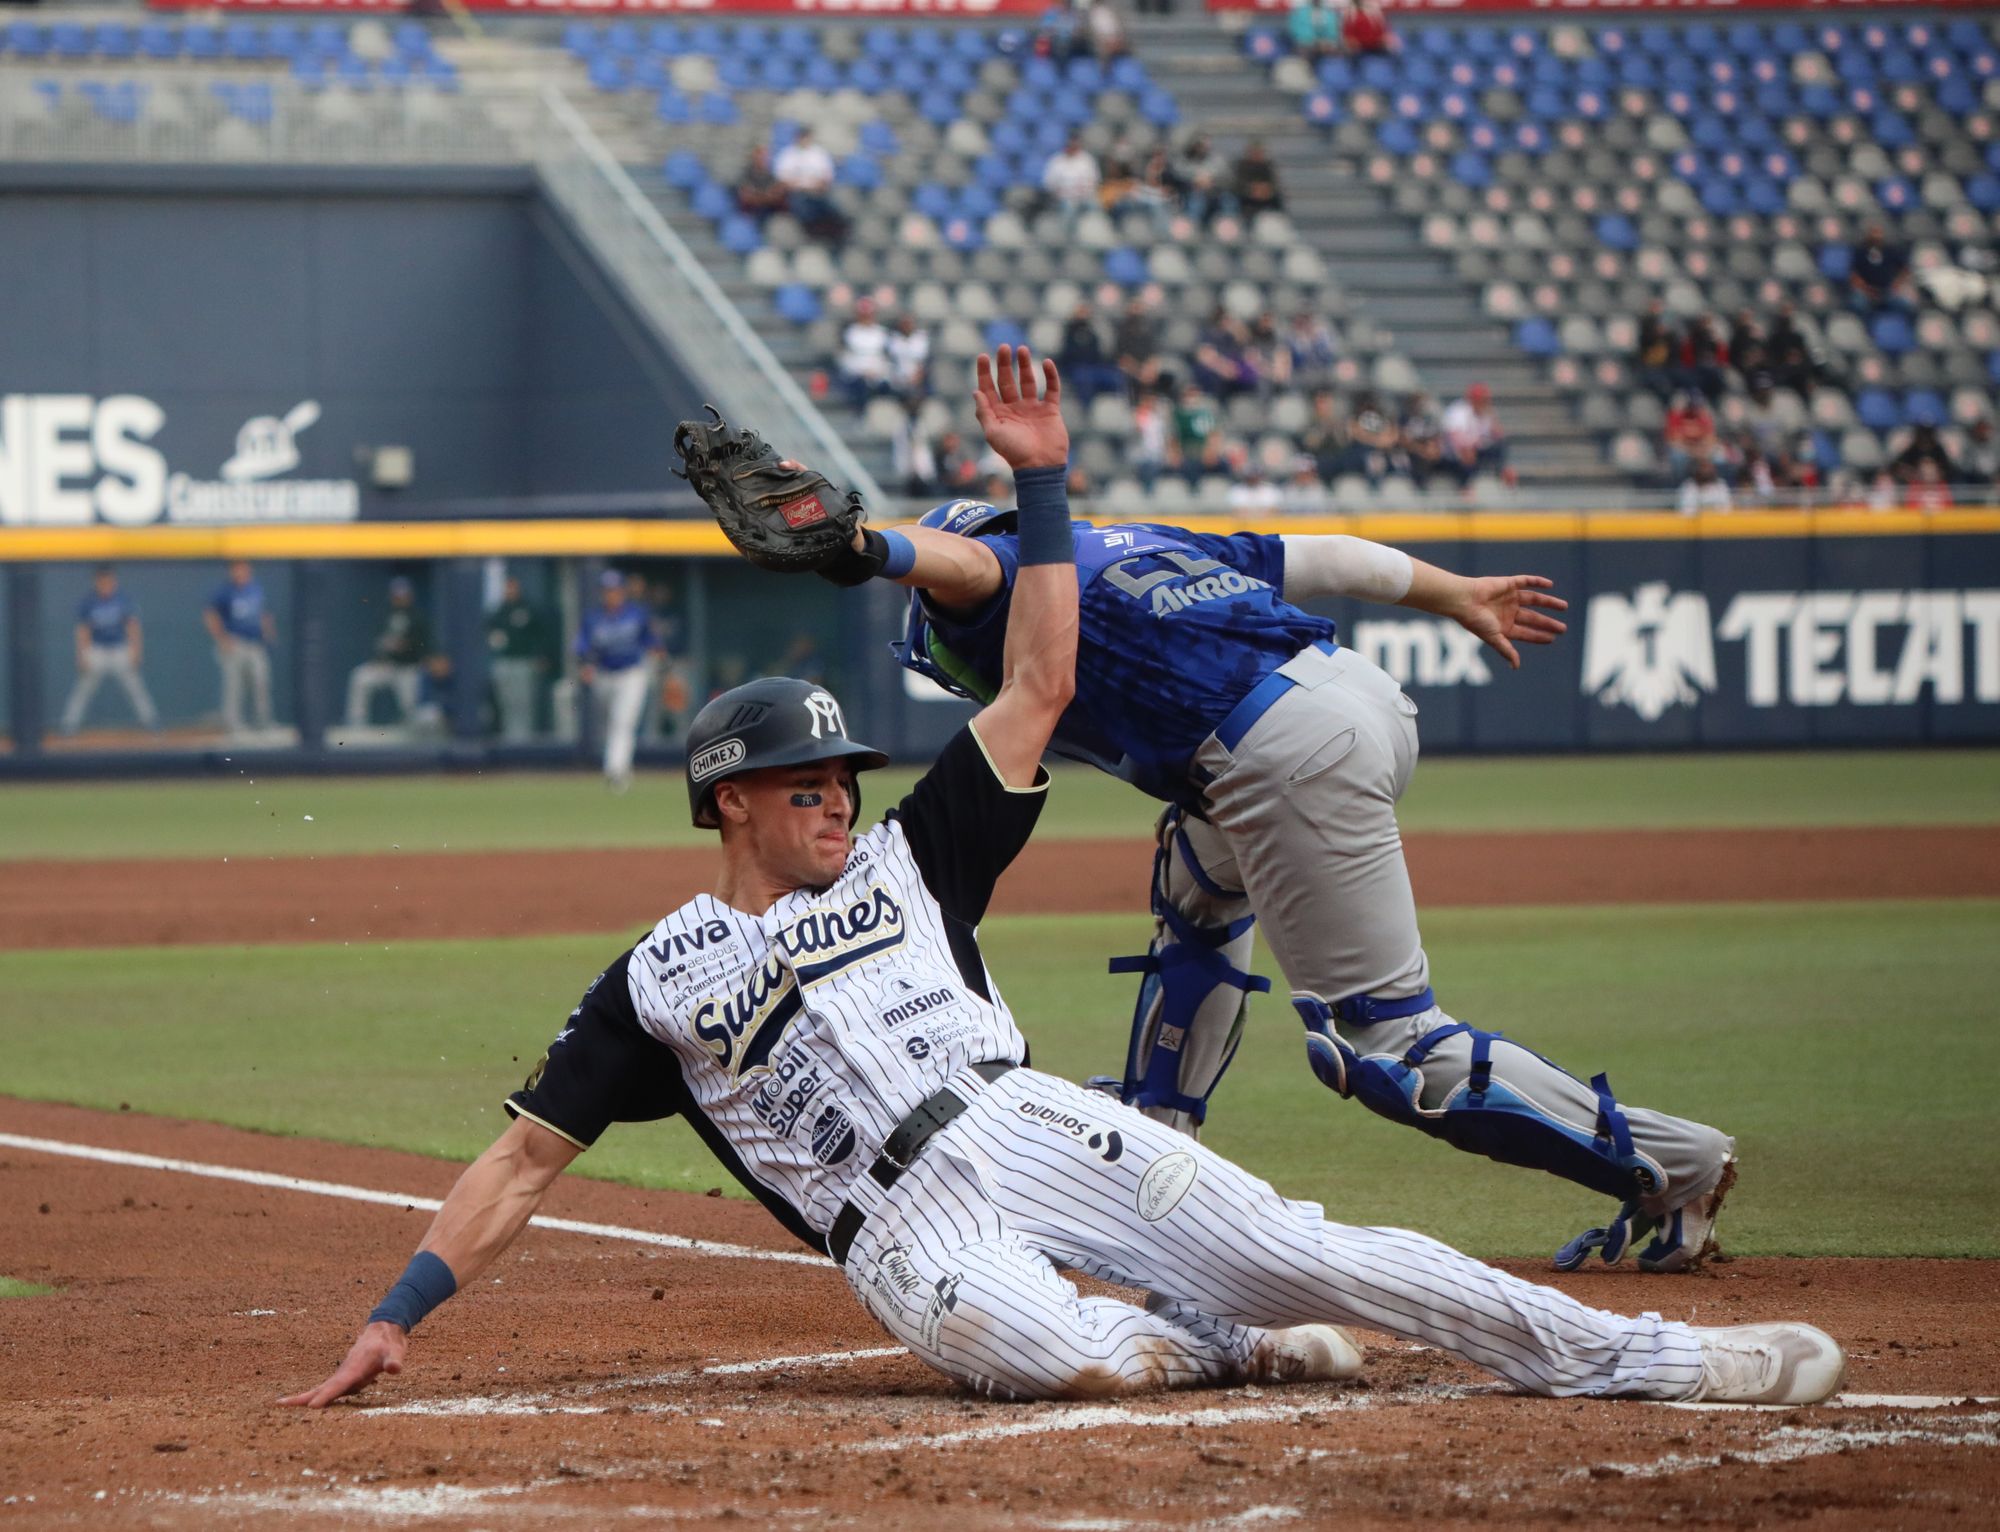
1682,71
1336,73
1983,192
740,235
1638,71
1593,105
581,41
673,107
1086,74
1009,136
282,40
669,39
717,109
327,40
309,74
932,200
1993,368
796,303
394,72
1531,138
1159,108
910,75
1537,337
713,201
1397,136
1745,38
1878,409
978,202
413,39
939,108
1126,267
1039,73
1550,69
1835,262
1322,111
1763,196
201,42
736,71
1469,168
1615,231
1959,97
879,138
649,72
159,42
25,40
684,170
1757,133
822,74
1413,105
1005,332
69,40
928,43
1822,102
1718,195
439,74
1438,42
1900,68
1891,130
859,171
964,234
1922,407
1457,106
707,39
971,44
355,75
883,41
1379,72
1891,332
623,38
868,77
1775,100
1896,195
750,40
114,40
1790,38
1128,74
1265,45
778,73
1482,42
607,71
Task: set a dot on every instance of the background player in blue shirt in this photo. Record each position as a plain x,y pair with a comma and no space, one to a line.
108,643
239,620
1283,756
620,650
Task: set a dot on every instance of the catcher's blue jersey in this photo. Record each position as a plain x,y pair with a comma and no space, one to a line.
1174,628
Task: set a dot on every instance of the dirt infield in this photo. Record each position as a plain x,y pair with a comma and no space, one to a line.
138,903
581,1384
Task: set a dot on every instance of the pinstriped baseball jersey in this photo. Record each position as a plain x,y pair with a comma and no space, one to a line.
795,1040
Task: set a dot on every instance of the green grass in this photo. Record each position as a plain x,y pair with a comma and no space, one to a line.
14,1287
252,815
1851,1048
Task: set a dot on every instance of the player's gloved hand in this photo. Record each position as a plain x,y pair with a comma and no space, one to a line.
378,1350
779,514
1505,610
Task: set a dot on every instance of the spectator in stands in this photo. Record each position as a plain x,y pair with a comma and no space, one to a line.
1253,496
1222,364
1057,35
1086,366
1374,448
1135,345
1152,431
1256,181
1421,434
1196,445
1749,348
1313,350
1923,449
1106,32
1979,462
1690,433
909,358
1153,190
1118,192
1928,490
1314,26
1198,180
1653,361
1365,28
1325,438
1304,494
1704,489
911,456
806,171
1765,422
759,192
1703,357
1792,362
1473,439
1879,273
1268,354
864,367
1070,179
402,652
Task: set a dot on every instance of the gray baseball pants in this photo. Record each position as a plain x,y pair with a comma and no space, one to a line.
1302,820
116,662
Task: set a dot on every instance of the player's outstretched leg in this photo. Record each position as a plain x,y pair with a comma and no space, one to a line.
1306,802
1147,1207
935,1267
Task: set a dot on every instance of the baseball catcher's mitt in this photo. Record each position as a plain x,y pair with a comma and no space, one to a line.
782,519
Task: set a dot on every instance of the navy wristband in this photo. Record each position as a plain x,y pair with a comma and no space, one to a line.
426,1282
1042,498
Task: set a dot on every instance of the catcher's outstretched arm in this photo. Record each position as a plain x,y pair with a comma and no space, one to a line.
958,574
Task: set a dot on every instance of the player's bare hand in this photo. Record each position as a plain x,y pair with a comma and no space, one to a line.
1024,425
377,1351
1505,610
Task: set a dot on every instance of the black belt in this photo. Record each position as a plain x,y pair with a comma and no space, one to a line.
900,1150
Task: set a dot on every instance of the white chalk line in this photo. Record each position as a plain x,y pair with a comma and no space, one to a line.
1793,1444
394,1199
1852,1402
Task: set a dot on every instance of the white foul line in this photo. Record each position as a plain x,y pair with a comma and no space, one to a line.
394,1199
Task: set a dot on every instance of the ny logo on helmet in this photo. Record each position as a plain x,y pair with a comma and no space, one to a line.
822,709
1651,651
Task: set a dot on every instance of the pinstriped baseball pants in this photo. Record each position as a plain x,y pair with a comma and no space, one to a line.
958,1261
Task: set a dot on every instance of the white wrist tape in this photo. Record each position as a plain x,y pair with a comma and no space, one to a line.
1345,566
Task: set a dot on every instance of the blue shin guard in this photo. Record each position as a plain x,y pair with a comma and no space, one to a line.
1189,1015
1482,1114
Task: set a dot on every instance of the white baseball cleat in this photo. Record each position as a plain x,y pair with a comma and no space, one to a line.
1768,1364
1309,1354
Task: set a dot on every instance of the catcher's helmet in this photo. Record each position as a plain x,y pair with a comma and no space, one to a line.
773,722
969,518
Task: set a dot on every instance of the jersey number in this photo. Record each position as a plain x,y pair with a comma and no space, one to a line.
1139,586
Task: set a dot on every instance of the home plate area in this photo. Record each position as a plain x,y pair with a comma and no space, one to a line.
609,1376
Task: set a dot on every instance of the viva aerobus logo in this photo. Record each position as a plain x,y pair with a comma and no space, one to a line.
1654,650
70,460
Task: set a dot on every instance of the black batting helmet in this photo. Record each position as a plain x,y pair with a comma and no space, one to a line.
773,722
